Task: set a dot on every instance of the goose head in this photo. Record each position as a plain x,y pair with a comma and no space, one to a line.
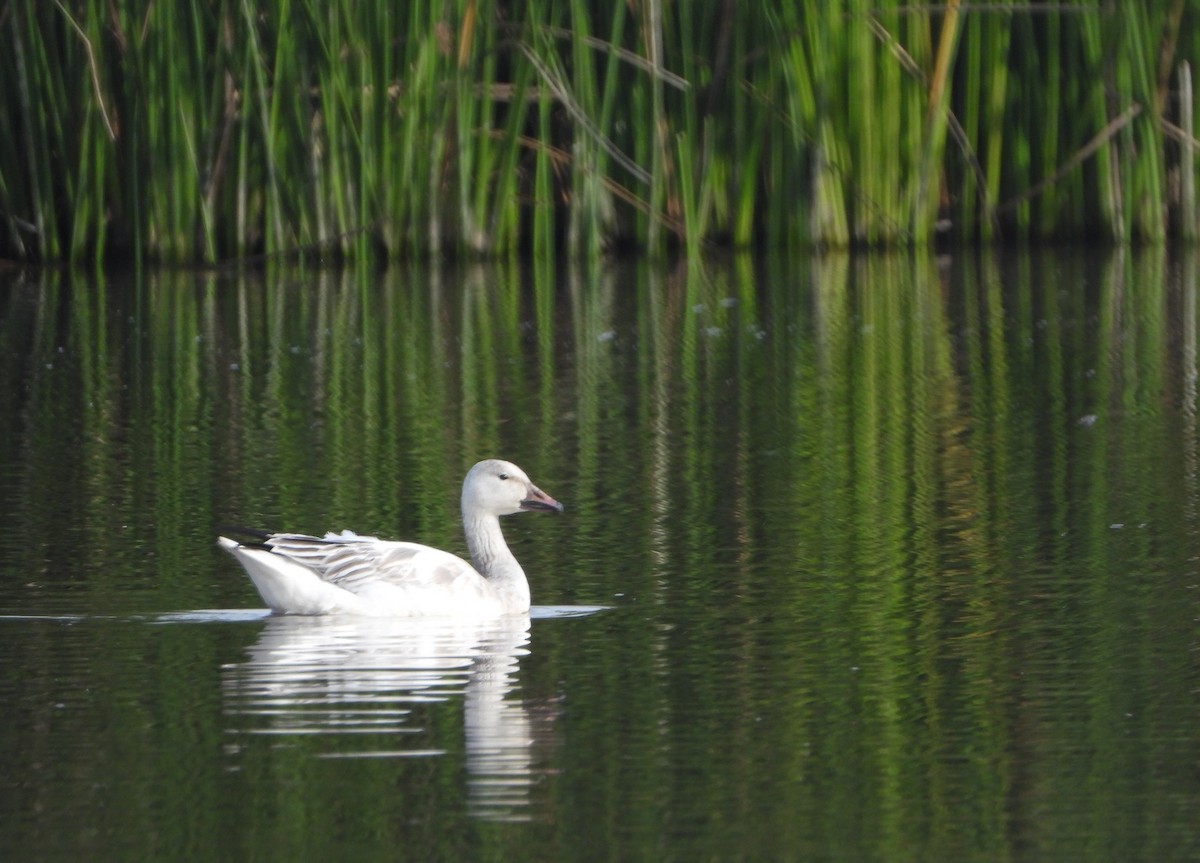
495,487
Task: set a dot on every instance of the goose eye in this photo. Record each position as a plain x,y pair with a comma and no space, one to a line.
503,476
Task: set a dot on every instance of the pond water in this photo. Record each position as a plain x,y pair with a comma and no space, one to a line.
883,558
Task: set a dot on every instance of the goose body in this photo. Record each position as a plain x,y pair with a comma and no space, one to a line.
344,573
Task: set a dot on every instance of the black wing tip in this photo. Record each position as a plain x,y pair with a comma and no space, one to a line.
258,537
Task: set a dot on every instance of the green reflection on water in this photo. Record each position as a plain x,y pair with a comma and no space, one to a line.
902,552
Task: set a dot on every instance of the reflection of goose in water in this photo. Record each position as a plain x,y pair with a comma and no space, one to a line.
350,574
358,682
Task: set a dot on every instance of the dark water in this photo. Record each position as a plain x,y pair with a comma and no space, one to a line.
900,560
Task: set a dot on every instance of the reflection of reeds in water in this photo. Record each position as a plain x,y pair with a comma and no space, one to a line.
890,483
362,689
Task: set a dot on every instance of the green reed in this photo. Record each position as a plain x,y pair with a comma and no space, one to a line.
211,131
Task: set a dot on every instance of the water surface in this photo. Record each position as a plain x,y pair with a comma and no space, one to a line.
897,558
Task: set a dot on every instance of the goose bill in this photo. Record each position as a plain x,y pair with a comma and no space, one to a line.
539,501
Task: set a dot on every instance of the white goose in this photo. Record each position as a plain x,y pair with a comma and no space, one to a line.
350,574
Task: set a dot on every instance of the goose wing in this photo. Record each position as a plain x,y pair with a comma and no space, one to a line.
363,563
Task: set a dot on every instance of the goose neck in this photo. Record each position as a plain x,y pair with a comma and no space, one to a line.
494,561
